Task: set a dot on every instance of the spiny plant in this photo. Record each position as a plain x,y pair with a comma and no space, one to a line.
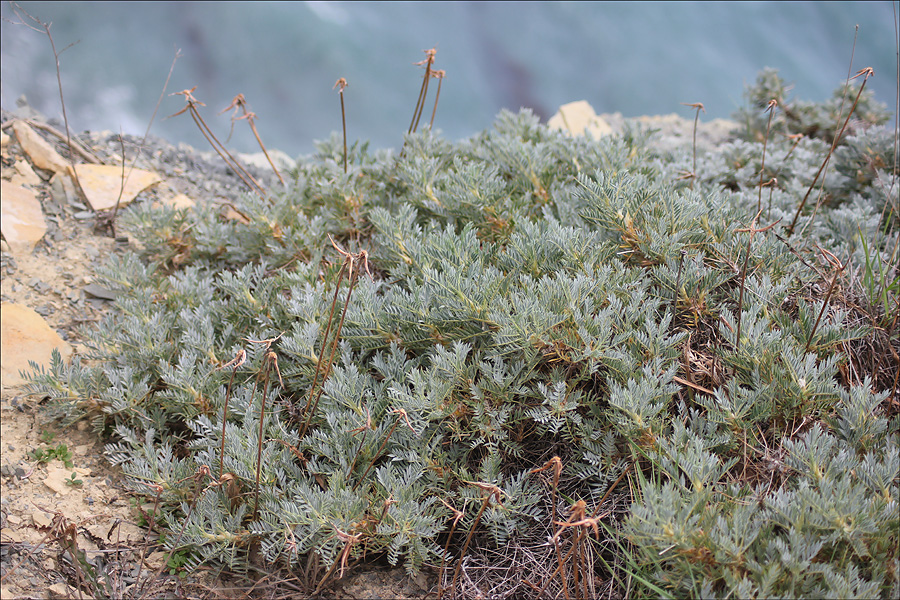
564,358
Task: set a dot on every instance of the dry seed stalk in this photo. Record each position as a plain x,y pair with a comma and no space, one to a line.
342,83
753,231
238,102
493,492
868,71
698,106
839,268
439,74
423,91
269,359
191,105
401,413
349,261
457,515
773,104
236,362
125,177
555,463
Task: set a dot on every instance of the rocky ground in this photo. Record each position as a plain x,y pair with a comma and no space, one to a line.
57,489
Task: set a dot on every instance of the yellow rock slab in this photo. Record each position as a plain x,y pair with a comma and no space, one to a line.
24,336
25,175
41,153
101,184
578,117
21,219
58,476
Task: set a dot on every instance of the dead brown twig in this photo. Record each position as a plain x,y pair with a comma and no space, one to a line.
76,146
36,24
112,221
457,516
270,359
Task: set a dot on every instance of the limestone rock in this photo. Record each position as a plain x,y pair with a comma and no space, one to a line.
24,175
578,117
21,219
41,518
41,153
57,477
101,184
9,535
24,336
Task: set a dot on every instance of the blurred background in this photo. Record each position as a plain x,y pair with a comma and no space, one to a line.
636,58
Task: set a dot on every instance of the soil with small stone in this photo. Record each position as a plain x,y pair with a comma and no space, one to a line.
57,487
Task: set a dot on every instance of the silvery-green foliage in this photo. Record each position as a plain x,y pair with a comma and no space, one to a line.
528,295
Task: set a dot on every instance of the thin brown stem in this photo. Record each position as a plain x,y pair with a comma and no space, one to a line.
423,91
76,146
270,357
334,345
868,71
698,106
46,29
315,394
753,231
773,104
234,364
440,77
493,491
377,452
191,107
457,515
839,268
342,83
319,361
125,178
240,103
